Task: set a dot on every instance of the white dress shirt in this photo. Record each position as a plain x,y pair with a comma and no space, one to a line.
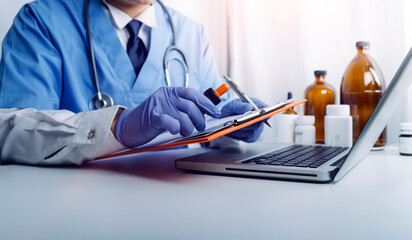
55,137
120,19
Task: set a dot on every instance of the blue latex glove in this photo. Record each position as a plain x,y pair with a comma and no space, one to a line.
174,109
237,106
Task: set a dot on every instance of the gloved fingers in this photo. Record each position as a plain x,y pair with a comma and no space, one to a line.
258,103
238,106
234,107
193,112
180,123
253,127
186,125
202,102
168,123
247,135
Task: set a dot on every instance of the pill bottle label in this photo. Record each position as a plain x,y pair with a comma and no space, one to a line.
405,145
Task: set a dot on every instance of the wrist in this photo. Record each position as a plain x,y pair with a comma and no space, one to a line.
116,117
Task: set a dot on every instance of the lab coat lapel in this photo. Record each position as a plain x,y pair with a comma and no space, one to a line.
109,51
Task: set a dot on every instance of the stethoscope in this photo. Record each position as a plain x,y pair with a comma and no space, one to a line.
103,100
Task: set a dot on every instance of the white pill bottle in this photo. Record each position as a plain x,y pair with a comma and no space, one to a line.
338,126
405,139
285,128
305,132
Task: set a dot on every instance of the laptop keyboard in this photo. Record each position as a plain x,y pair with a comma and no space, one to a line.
298,156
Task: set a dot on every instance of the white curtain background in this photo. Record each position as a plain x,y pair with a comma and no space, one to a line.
271,47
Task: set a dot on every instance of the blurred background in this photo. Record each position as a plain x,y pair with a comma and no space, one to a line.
271,47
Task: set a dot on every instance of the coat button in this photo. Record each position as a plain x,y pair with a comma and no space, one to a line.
91,134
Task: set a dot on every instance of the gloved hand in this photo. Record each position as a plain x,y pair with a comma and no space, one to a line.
175,109
237,106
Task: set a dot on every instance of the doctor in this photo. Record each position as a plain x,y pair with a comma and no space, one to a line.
48,85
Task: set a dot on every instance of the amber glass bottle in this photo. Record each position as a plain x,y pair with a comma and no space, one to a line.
290,110
362,87
319,94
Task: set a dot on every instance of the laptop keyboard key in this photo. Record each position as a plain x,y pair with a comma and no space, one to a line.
276,163
303,165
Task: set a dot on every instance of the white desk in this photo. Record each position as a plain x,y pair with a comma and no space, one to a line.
147,198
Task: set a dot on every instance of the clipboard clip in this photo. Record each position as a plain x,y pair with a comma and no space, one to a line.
249,116
260,112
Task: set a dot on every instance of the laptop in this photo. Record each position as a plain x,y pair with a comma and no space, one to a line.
313,163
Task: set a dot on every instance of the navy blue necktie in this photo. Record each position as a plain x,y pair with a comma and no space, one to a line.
135,48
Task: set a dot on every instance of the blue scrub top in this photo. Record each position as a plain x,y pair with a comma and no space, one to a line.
45,62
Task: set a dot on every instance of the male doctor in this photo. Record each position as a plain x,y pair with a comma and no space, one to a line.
46,81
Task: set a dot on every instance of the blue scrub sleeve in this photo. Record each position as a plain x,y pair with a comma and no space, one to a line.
31,66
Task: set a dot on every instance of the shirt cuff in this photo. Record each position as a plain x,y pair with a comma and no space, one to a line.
93,138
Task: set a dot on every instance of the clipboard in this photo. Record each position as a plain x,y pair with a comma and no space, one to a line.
230,124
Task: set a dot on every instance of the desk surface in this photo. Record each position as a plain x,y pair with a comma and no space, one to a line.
145,197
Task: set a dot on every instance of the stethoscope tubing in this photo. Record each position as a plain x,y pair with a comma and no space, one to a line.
91,52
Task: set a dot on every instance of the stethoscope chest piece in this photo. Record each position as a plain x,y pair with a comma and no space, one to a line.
104,101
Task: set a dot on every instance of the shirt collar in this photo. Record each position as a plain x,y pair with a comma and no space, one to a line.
121,19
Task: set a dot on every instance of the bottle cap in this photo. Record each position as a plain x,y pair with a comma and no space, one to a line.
362,44
337,110
320,72
406,126
305,120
